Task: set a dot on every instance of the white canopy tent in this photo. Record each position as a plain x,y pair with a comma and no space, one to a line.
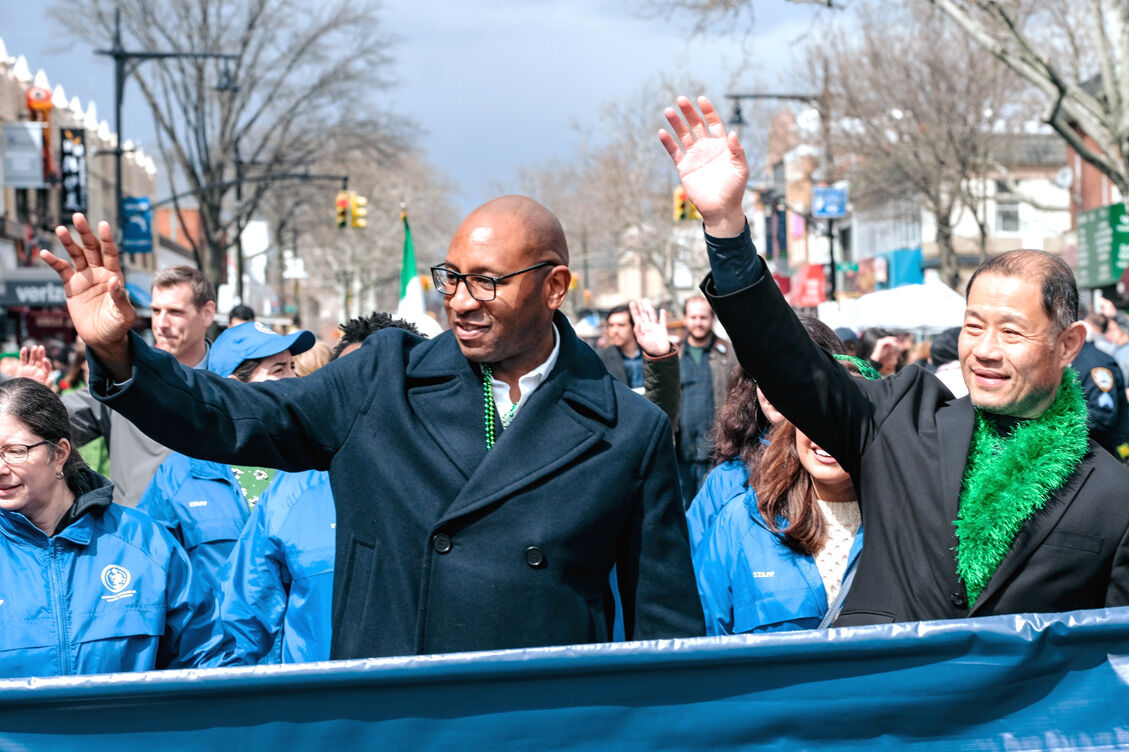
927,307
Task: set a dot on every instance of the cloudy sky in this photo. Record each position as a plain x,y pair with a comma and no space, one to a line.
495,84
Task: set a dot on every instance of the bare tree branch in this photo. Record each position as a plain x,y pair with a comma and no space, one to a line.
303,71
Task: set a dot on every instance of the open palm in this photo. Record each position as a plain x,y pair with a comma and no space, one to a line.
710,162
34,365
95,286
650,328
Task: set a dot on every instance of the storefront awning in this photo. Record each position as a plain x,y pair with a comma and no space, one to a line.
35,288
41,288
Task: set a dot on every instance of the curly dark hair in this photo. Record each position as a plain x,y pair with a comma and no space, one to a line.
356,330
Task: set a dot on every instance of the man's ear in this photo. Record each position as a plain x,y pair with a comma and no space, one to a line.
1071,341
556,286
209,311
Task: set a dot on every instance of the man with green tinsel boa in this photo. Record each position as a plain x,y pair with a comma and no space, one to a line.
994,503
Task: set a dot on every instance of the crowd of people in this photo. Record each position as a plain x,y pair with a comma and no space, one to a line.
504,485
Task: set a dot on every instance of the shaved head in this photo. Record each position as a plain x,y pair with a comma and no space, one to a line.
533,228
515,248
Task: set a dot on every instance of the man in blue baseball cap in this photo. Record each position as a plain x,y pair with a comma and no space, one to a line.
206,504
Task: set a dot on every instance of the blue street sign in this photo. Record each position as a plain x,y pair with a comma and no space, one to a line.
828,202
137,230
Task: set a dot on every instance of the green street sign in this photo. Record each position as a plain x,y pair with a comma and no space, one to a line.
1103,246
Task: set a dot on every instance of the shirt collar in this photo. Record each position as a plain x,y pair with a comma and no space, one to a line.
527,383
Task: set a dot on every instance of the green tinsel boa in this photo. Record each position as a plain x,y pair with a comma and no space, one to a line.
1008,479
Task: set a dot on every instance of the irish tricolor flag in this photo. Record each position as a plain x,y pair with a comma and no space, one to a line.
411,305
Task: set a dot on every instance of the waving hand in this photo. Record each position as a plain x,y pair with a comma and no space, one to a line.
711,164
95,289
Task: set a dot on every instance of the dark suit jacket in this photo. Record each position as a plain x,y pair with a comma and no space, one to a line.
442,546
905,441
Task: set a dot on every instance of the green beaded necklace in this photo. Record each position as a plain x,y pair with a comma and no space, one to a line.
488,407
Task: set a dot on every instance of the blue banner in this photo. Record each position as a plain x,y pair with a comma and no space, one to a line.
997,683
137,230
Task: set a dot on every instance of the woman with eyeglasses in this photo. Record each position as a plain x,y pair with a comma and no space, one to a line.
86,586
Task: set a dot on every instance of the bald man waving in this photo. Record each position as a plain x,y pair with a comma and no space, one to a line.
486,481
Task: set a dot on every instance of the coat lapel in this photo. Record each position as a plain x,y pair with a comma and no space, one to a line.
954,435
1036,529
548,432
445,395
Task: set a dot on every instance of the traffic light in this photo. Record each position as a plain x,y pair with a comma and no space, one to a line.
358,209
342,209
683,209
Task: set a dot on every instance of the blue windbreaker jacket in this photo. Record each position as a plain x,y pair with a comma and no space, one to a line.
723,483
279,579
112,591
749,581
202,505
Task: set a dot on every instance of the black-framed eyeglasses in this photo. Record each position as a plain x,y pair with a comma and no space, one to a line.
480,286
16,454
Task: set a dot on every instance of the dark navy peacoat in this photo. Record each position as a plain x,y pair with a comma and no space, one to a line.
441,545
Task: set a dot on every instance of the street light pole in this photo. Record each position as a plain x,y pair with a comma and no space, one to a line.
822,104
121,57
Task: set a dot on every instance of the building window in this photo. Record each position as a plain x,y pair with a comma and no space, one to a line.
1007,209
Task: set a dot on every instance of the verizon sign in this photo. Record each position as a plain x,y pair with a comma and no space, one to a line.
35,294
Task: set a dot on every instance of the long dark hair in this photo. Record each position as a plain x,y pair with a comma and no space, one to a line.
41,410
785,494
740,422
785,491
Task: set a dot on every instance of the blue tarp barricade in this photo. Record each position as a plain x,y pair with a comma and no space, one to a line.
998,683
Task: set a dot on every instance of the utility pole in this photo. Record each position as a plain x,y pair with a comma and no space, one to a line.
122,69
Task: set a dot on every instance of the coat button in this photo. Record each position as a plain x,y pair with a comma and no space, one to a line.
441,543
959,600
535,557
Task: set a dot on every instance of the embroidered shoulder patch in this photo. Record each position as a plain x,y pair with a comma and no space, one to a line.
1103,377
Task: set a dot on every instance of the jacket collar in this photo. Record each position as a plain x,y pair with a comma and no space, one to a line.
206,470
95,496
808,570
571,405
578,367
1037,527
955,422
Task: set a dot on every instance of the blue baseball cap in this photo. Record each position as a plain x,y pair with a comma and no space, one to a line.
253,340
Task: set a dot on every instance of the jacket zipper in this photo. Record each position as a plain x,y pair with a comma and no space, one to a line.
61,625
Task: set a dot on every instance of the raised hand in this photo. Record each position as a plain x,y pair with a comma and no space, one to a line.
96,296
885,353
711,165
35,365
650,329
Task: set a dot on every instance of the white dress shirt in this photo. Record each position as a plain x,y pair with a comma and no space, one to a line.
526,385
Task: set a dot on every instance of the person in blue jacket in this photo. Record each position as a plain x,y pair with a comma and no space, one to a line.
278,581
740,435
206,504
86,586
780,553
